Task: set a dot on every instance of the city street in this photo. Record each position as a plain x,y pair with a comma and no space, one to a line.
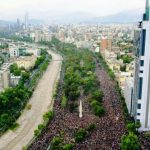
41,102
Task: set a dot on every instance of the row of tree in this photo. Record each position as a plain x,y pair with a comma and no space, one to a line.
13,100
79,76
14,37
127,59
3,46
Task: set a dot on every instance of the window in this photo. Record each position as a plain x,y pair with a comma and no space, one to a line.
141,71
143,39
139,106
138,120
141,62
138,114
140,85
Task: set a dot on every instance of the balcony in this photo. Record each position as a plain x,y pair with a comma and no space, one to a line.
140,24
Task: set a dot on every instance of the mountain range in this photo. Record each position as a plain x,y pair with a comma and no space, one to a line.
131,16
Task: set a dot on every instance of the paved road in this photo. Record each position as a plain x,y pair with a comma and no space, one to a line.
40,101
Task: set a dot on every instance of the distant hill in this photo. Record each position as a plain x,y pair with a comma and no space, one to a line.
131,16
72,18
5,23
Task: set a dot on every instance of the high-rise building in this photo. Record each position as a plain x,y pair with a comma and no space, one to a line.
103,44
106,44
18,23
141,97
26,20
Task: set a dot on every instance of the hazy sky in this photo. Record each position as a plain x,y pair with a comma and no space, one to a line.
43,9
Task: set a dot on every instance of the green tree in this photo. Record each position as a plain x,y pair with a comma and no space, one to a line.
97,95
123,68
127,59
25,76
64,102
132,127
91,127
15,70
98,110
130,142
56,143
68,147
49,115
80,135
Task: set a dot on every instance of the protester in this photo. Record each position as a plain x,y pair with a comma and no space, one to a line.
109,128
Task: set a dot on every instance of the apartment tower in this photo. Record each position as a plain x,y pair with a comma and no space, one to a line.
140,105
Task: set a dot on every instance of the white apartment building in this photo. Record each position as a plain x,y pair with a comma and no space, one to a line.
14,52
141,97
4,76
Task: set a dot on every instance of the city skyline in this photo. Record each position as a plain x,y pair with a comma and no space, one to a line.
12,9
74,74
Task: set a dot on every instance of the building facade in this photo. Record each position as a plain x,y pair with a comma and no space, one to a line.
4,76
141,98
106,44
13,52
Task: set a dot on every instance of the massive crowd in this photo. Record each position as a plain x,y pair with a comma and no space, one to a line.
109,128
145,141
